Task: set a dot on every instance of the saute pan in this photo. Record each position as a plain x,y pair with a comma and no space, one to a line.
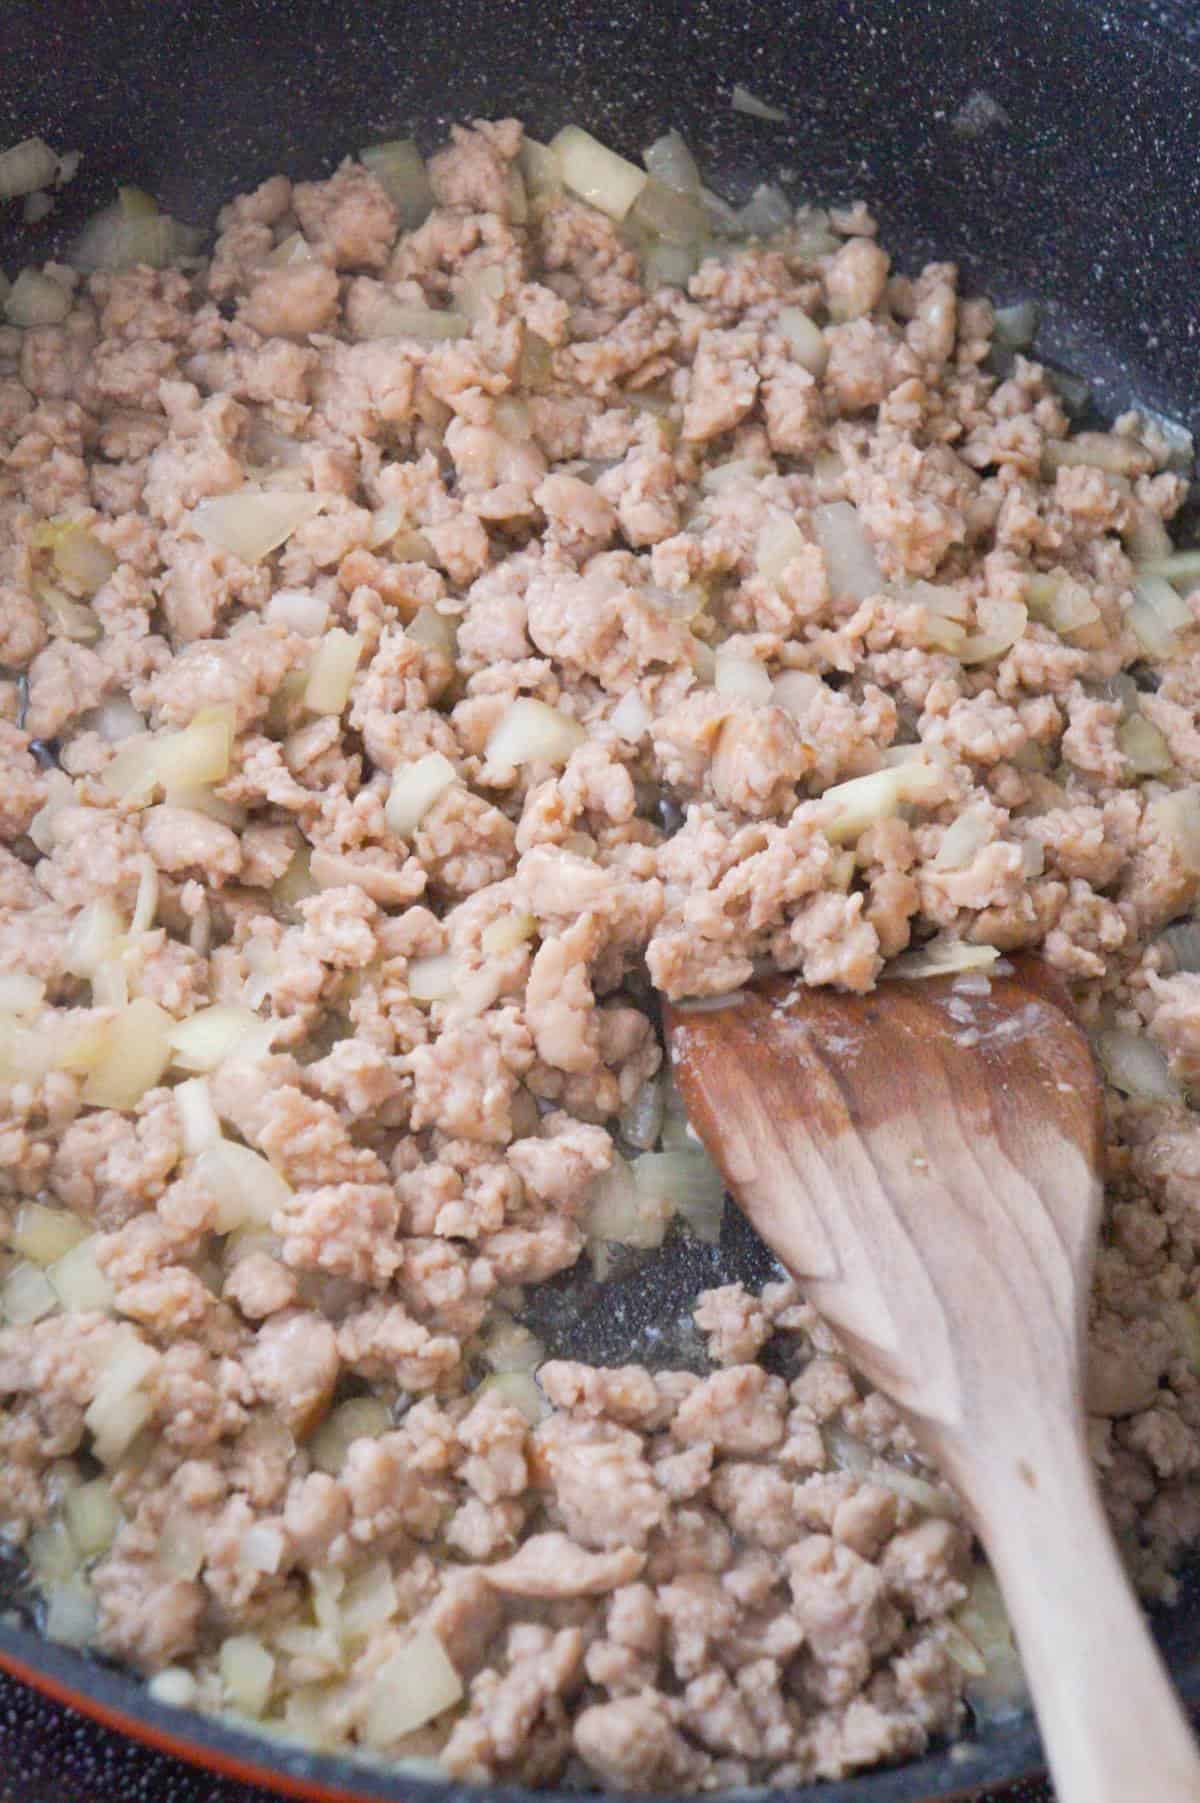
1050,147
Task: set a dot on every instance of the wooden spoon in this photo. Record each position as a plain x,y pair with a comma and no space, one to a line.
926,1160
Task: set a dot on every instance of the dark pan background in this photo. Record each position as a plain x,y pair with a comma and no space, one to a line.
1088,196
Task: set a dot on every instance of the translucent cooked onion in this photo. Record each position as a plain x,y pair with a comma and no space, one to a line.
331,673
1000,624
505,933
78,1282
743,101
124,1399
1147,751
415,788
386,317
247,1672
767,211
95,938
507,1346
362,1418
597,174
962,839
742,678
631,718
849,808
621,1214
1181,566
1157,615
1183,943
198,1123
78,556
640,1121
173,1686
132,1056
779,542
479,289
72,1613
1000,1691
247,1189
120,238
411,1688
666,213
300,611
1062,603
400,168
1015,327
941,956
796,690
1135,1065
65,618
368,1601
43,1234
688,1182
20,992
252,522
433,979
93,1516
1175,820
532,733
26,1295
212,1036
668,160
805,339
849,557
520,1391
541,169
430,628
733,472
36,300
26,167
668,265
1098,450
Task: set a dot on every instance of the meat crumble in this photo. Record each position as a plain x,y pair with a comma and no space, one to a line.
416,629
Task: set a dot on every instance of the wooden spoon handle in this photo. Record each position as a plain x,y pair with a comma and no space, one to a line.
1112,1727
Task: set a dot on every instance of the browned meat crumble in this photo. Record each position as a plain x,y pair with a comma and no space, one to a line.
331,873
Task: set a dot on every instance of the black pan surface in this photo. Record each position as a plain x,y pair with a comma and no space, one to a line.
1083,190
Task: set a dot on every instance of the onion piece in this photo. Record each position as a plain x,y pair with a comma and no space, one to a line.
779,542
20,992
79,1283
399,168
251,522
596,174
247,1189
849,808
119,238
849,557
1147,751
520,1391
743,101
415,788
669,214
300,611
742,678
1001,624
199,1126
411,1688
1183,942
134,1054
1157,615
962,839
173,1686
26,167
805,339
1134,1065
505,933
1180,566
247,1672
93,1516
508,1346
433,979
532,733
331,673
669,161
942,955
687,1180
362,1418
620,1213
213,1035
386,317
26,1295
767,211
124,1399
1062,603
65,618
36,300
1000,1691
795,691
1016,327
541,169
72,1613
43,1234
1175,819
640,1121
631,718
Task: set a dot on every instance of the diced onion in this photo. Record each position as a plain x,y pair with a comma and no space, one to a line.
795,691
1098,450
433,979
181,1544
733,473
620,1213
262,1547
386,317
78,1282
400,169
1062,603
245,1187
26,167
20,992
26,1295
299,611
805,338
767,211
36,300
505,933
331,673
669,161
541,169
779,542
743,101
123,1402
1157,615
132,1053
121,238
688,1180
962,839
849,558
173,1686
213,1035
199,1126
1135,1065
999,1691
433,630
416,1684
479,289
43,1234
942,956
669,214
1183,943
510,1347
368,1601
362,1418
597,174
252,522
520,1391
247,1671
415,788
855,805
640,1121
1001,624
1175,819
72,1613
1015,327
1142,743
65,618
95,937
532,733
1180,566
93,1516
116,719
742,678
631,718
198,754
293,249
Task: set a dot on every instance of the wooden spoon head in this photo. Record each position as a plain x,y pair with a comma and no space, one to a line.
925,1159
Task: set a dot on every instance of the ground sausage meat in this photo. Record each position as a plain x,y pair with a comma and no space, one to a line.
417,630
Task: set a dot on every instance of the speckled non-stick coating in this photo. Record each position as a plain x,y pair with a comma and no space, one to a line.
1088,196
